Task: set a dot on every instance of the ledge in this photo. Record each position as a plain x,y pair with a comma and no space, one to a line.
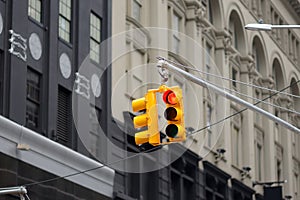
54,158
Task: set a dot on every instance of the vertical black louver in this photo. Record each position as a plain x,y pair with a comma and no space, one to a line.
64,120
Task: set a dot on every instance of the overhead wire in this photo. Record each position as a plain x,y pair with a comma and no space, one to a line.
232,80
256,99
239,112
91,169
157,147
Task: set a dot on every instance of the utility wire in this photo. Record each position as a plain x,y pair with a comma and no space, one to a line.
264,102
91,169
232,80
157,147
257,100
239,112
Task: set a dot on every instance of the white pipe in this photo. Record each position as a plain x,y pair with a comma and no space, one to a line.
18,190
269,27
163,63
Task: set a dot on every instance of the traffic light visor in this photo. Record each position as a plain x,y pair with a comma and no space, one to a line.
138,104
169,97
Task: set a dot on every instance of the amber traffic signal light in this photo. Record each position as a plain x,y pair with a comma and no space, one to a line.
149,119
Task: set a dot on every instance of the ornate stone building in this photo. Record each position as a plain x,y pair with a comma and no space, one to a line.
209,35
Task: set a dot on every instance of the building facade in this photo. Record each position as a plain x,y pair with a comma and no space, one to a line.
209,36
42,46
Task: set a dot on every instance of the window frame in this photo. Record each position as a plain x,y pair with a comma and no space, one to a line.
139,4
259,154
31,100
92,37
65,18
40,12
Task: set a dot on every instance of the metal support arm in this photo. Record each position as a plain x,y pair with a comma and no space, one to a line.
169,66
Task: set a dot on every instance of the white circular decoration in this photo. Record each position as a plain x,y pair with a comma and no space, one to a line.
96,86
65,65
35,46
1,23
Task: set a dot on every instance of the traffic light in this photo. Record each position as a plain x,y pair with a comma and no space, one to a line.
149,119
174,114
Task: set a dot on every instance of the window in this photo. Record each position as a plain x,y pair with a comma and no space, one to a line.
258,116
255,57
209,12
278,170
215,182
183,174
234,76
208,58
136,10
296,185
65,18
236,146
95,37
33,100
64,117
176,29
35,9
259,155
232,30
259,161
94,130
276,127
209,112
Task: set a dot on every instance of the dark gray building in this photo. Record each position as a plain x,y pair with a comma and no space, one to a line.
42,45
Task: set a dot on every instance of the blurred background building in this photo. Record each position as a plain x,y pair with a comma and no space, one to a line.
43,43
257,149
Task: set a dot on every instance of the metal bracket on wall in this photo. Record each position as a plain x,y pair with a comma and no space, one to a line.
83,86
18,45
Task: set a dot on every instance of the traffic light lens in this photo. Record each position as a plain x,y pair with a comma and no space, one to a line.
171,130
169,97
170,113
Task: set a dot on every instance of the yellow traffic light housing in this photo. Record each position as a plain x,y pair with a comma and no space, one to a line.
149,119
174,114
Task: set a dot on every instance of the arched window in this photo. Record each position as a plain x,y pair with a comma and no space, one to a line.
295,91
236,30
277,75
259,56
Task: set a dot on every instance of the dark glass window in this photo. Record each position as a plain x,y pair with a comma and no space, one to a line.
95,130
65,19
35,9
33,100
95,37
183,180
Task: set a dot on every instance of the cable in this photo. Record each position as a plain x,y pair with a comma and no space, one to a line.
236,81
239,112
253,98
157,147
267,103
91,169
